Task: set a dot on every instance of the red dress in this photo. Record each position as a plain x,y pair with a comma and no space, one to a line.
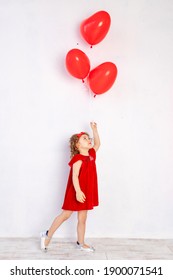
87,182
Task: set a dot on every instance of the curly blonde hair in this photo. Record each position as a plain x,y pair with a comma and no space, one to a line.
73,141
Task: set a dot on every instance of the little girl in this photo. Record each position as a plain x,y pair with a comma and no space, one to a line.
82,191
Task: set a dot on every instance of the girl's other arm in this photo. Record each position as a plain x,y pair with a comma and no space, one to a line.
80,196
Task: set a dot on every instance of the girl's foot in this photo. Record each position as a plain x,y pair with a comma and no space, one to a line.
44,240
85,247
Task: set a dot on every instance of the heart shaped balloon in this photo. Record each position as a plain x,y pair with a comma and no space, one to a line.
102,77
77,63
95,28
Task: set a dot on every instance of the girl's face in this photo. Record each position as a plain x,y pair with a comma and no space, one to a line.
84,142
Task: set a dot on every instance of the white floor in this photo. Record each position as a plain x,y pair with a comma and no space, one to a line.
106,249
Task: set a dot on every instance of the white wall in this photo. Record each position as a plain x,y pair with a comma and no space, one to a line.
41,105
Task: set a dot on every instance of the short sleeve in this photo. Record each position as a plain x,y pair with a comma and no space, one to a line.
92,153
75,159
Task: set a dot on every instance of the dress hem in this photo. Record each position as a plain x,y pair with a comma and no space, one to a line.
79,209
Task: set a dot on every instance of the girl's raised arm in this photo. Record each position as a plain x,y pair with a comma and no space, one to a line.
95,135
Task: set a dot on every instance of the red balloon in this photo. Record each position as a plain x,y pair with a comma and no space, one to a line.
95,28
102,77
77,63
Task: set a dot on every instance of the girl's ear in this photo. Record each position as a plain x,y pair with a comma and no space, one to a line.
77,145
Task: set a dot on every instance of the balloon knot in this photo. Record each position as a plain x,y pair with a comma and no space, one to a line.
94,95
91,47
83,81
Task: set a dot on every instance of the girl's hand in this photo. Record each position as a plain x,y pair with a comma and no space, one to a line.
80,196
93,125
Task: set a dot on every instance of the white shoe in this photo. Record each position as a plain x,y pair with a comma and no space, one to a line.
86,249
44,237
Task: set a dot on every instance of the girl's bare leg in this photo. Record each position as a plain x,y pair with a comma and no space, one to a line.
82,216
65,214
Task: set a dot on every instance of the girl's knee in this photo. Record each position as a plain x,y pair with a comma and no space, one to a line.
82,216
66,214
